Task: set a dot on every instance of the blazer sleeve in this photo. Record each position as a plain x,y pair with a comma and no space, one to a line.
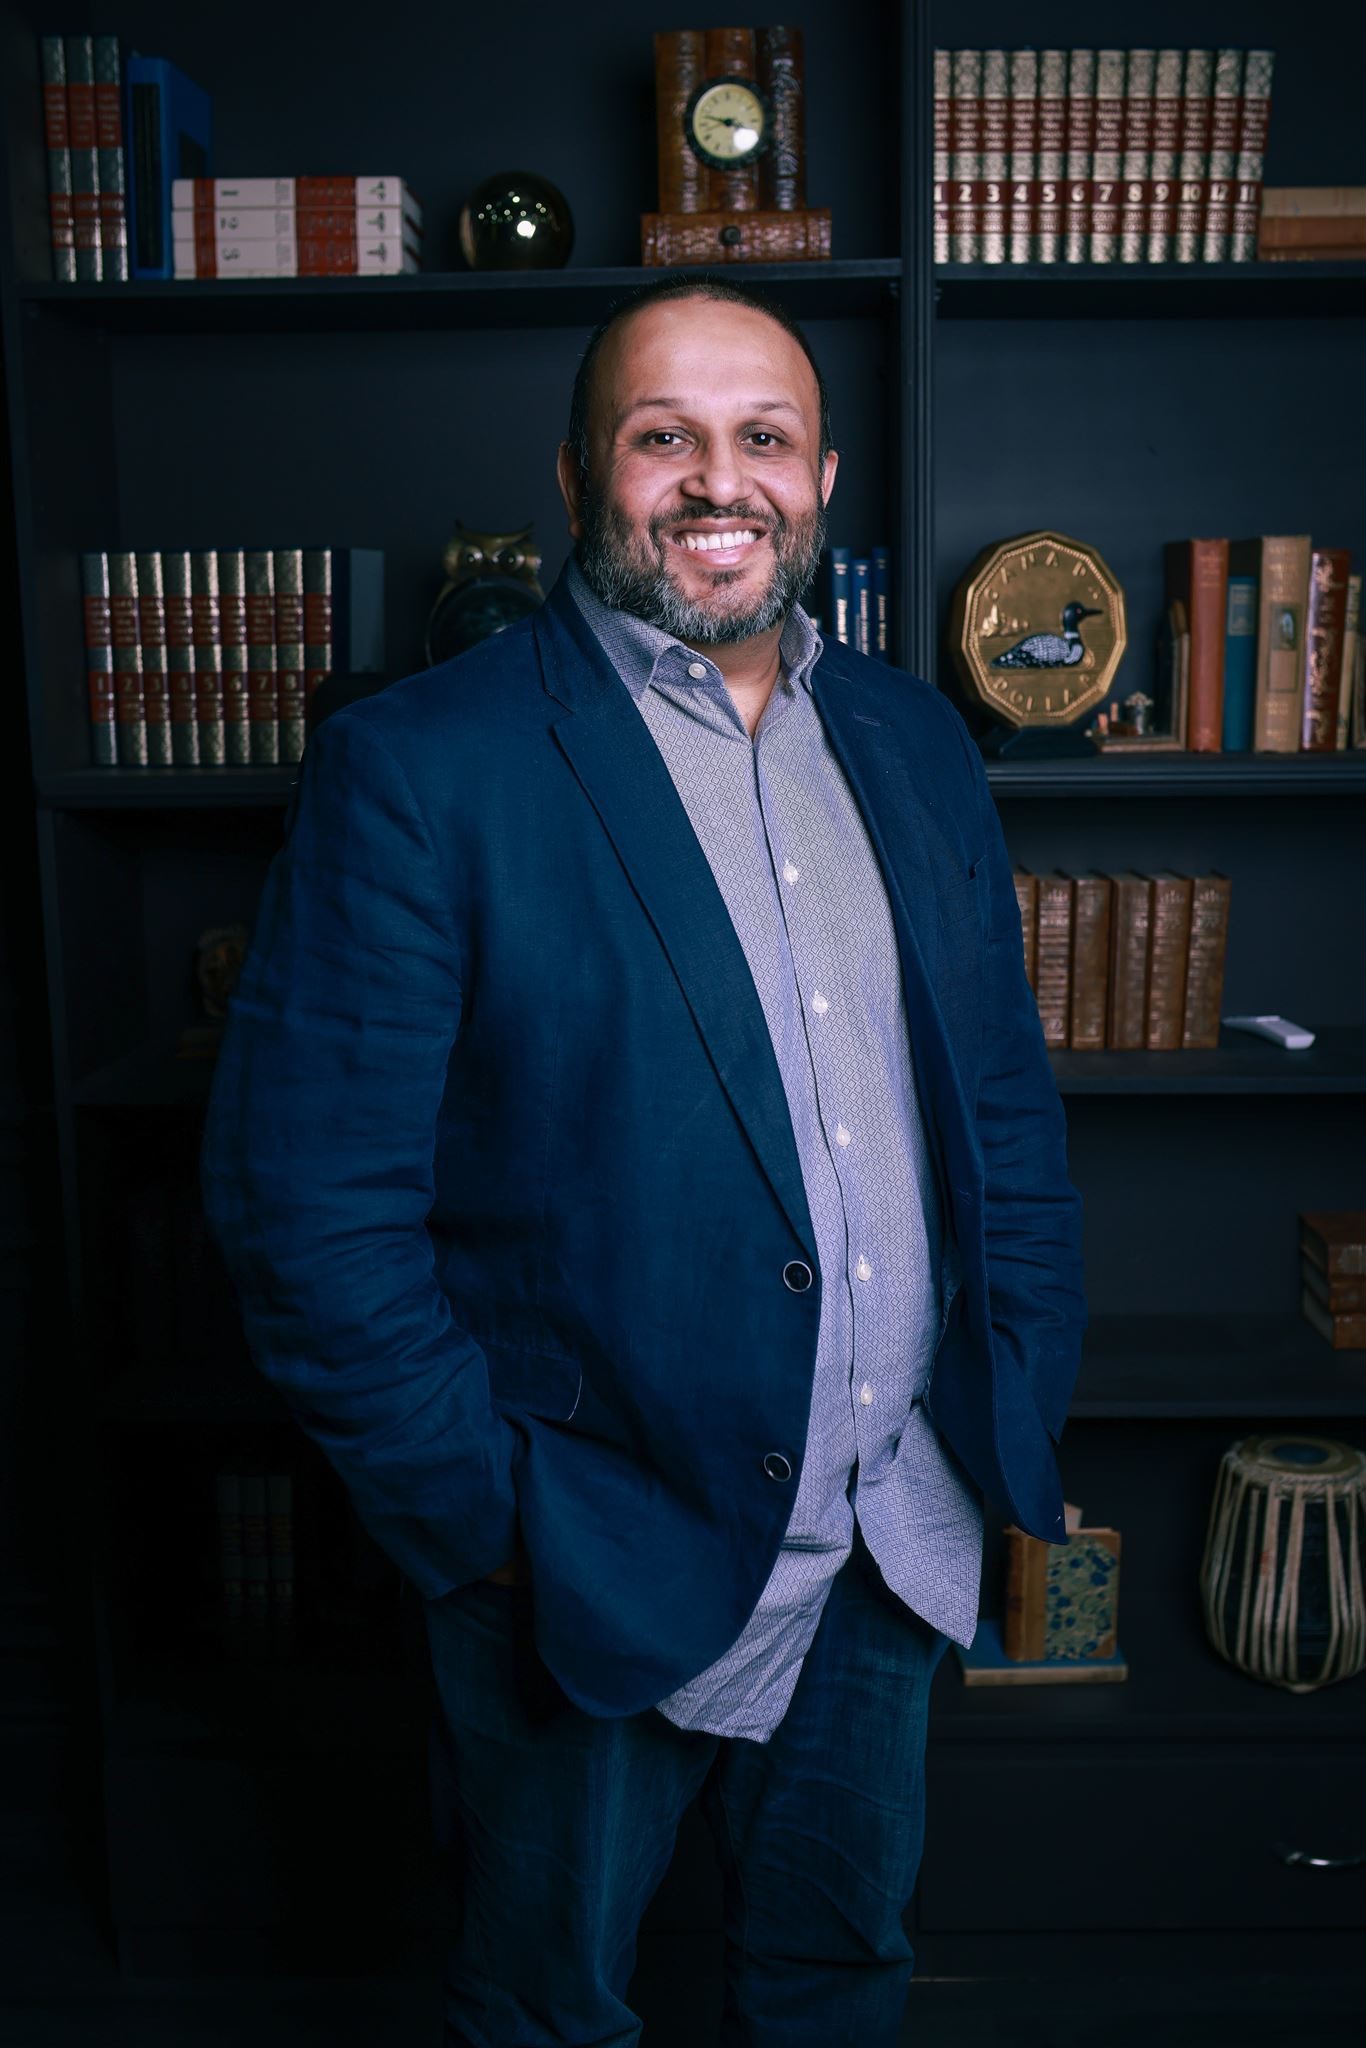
1032,1212
317,1165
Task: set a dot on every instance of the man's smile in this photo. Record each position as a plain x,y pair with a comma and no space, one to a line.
720,547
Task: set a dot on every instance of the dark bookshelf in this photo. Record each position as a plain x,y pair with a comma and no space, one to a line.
1123,405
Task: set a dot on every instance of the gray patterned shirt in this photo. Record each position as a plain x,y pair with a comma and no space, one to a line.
787,845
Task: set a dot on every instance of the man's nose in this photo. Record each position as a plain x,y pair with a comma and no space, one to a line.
719,475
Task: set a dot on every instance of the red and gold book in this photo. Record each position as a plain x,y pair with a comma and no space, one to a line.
289,650
259,569
965,157
1130,925
126,634
1081,132
1224,120
1136,168
99,660
943,100
232,614
1166,156
208,659
1210,900
1024,161
1325,626
1335,1240
57,140
1168,953
156,693
1051,174
175,576
993,187
1197,576
1107,156
1193,168
1254,114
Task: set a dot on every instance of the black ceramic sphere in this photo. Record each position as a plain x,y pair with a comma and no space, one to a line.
516,221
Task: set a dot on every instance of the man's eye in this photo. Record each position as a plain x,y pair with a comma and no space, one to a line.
661,434
762,438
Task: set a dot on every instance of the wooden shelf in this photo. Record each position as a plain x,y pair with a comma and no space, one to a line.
1153,291
1182,774
1335,1064
1250,1368
436,299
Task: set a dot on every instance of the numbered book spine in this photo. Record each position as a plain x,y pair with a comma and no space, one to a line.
112,160
994,186
1329,569
1210,899
1224,124
1051,178
943,101
265,704
288,572
1107,156
1351,636
1168,74
1024,162
882,604
99,661
85,168
1139,75
1130,924
216,193
1090,962
126,632
1168,946
1193,167
1081,131
965,127
57,137
280,1554
1254,115
232,615
683,184
317,619
1027,898
208,660
781,77
175,573
156,691
1053,989
729,53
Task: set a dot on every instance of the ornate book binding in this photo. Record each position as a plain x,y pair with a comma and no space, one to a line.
749,237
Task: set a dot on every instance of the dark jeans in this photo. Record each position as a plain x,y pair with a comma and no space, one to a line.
564,1825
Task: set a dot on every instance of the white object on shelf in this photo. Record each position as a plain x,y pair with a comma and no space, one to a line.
1279,1030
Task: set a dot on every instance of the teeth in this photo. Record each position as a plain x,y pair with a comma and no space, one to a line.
700,542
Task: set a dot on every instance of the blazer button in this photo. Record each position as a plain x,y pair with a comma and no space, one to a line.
776,1465
797,1275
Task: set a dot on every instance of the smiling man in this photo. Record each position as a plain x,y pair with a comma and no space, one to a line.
641,1169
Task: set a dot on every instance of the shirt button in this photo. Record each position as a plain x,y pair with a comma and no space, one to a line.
790,873
697,669
865,1394
864,1270
841,1135
819,1004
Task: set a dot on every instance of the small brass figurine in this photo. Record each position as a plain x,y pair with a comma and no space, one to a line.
491,582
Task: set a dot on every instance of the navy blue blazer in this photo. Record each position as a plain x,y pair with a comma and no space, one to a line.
500,1161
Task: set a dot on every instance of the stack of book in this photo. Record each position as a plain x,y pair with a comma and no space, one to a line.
208,659
295,227
1099,156
856,601
1333,1275
1125,962
1274,656
1313,224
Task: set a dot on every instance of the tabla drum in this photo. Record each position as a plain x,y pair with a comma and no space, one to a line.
1282,1571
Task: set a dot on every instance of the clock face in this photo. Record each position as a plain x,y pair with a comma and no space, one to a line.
726,122
1039,629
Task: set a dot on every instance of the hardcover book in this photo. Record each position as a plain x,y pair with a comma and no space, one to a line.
1193,168
1136,168
1051,178
1168,74
258,567
1225,112
965,132
126,634
1130,927
289,650
1168,955
210,710
679,70
1240,664
83,140
175,573
1280,565
156,692
1091,894
232,615
780,58
1254,114
1081,130
994,181
1024,163
1053,970
1325,622
1339,1297
1344,1332
1107,156
112,161
57,138
1351,640
943,101
99,660
1197,577
1027,897
1335,1240
1061,1600
1204,999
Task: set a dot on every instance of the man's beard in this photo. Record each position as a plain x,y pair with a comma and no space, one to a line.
629,570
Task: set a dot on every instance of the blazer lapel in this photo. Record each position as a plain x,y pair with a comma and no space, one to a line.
610,748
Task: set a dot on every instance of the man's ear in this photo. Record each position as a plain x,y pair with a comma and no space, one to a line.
831,464
571,486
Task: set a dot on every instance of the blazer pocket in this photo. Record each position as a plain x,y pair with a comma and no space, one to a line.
533,1382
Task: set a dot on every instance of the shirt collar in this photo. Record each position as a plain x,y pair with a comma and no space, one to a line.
640,652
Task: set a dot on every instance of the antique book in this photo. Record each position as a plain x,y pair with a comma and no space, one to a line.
1060,1600
729,52
755,235
984,1662
1314,202
1130,923
175,577
1053,969
1027,896
1166,155
1091,894
288,577
1081,132
1325,622
263,693
993,184
943,100
232,620
83,141
112,159
1351,634
1312,235
780,74
1193,162
683,177
156,695
1168,947
1254,112
1280,564
1224,122
1335,1239
1024,161
208,659
1107,156
1197,576
99,660
1210,903
1338,1296
1344,1332
125,633
965,156
1051,174
57,141
1240,664
1136,165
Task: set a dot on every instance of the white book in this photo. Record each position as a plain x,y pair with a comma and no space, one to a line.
386,258
271,223
344,191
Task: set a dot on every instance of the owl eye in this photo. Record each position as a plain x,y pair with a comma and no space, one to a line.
509,558
473,557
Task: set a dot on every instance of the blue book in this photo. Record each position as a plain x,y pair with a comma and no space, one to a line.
1240,664
169,133
882,592
838,610
984,1662
861,603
